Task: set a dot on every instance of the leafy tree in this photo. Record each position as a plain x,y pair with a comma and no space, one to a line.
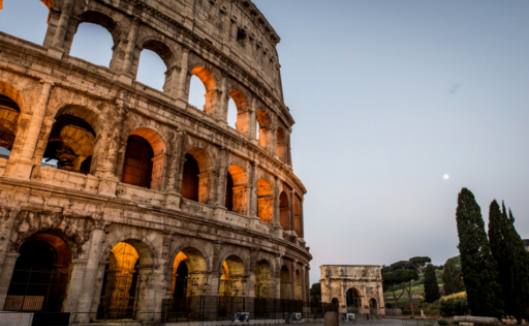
452,276
480,273
420,262
431,288
398,278
513,261
315,295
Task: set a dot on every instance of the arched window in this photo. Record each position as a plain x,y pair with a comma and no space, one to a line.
236,182
296,217
144,159
284,211
122,284
41,275
9,112
285,284
151,70
264,125
263,280
353,300
282,145
188,281
231,286
265,201
71,142
93,39
190,178
202,89
238,114
25,19
298,286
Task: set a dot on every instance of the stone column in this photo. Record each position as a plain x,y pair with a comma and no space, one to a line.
253,122
76,288
6,274
20,164
146,295
57,26
221,179
275,219
252,195
86,297
222,108
184,77
273,129
172,80
130,55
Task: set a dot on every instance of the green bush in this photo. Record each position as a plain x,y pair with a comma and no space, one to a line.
454,307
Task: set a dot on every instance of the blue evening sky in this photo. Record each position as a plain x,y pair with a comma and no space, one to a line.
388,97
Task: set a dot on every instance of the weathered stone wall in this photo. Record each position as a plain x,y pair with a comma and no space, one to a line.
235,45
364,280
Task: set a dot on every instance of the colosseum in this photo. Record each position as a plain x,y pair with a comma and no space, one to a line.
120,201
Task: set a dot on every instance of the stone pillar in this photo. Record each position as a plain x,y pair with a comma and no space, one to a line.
184,77
171,84
222,109
252,194
221,179
129,56
273,130
86,297
5,275
146,300
20,164
275,220
253,120
76,288
57,26
177,162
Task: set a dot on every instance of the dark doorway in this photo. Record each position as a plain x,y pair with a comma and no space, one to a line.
41,275
180,290
137,169
229,192
190,178
353,300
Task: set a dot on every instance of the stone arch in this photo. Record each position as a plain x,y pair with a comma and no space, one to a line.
231,278
263,279
282,144
242,121
210,87
353,300
298,285
96,18
123,284
72,140
285,283
236,189
144,159
263,128
373,306
41,274
189,278
297,223
284,211
9,113
265,200
163,52
195,178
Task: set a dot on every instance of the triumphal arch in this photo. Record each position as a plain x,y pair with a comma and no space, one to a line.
122,201
353,288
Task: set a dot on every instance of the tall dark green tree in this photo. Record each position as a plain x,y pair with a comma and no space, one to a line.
431,288
480,272
512,259
452,276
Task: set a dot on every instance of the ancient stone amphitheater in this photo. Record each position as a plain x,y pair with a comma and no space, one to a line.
122,202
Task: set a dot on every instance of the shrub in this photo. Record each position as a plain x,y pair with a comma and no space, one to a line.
454,307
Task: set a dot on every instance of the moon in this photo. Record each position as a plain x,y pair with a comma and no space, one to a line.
446,177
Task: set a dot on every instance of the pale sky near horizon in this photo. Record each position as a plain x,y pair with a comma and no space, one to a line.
398,104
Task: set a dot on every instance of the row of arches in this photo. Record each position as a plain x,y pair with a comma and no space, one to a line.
75,136
150,61
43,271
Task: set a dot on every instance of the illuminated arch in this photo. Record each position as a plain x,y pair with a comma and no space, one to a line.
265,201
284,211
164,54
195,179
242,115
207,79
263,128
236,185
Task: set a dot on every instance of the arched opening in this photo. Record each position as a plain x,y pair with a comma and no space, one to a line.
194,176
296,217
143,165
9,112
284,211
93,40
298,288
190,178
153,62
25,19
189,279
353,301
122,283
41,275
72,140
265,201
236,189
282,145
238,110
137,169
285,284
263,289
231,286
373,306
202,89
264,125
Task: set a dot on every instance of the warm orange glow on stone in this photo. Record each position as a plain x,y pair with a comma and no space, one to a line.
265,201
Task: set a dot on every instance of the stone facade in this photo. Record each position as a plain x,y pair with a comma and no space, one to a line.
126,183
354,288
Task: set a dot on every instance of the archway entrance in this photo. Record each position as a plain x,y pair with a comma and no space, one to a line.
373,306
353,300
41,275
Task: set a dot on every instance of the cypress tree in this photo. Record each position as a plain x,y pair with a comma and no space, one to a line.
479,268
431,288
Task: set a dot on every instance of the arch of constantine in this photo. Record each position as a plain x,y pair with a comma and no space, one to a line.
121,201
353,288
